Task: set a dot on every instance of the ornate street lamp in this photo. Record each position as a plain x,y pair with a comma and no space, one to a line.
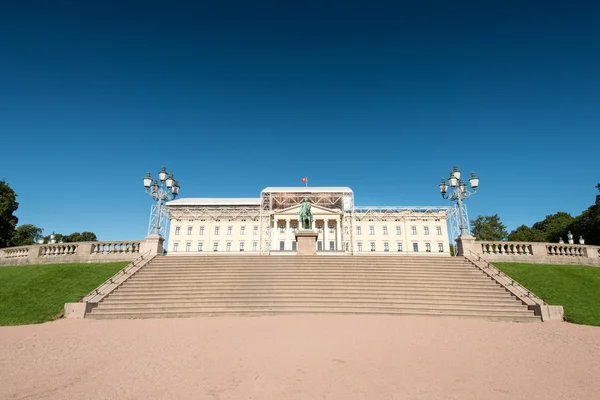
459,193
162,190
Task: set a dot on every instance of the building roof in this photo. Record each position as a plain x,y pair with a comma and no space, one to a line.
304,189
215,202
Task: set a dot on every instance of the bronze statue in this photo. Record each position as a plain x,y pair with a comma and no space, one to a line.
305,214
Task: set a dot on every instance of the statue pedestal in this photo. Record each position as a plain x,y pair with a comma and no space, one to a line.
306,243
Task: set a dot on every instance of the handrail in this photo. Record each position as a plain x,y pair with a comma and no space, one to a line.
496,272
112,280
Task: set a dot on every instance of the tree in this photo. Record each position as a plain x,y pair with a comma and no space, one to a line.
588,223
489,228
554,226
526,234
8,221
88,237
25,235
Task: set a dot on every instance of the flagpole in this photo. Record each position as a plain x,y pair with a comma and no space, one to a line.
307,181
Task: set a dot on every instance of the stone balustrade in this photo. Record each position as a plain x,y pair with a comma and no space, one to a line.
530,252
106,251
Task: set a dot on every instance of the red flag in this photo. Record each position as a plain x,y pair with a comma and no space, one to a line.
303,179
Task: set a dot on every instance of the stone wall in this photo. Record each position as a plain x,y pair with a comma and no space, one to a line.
107,251
530,252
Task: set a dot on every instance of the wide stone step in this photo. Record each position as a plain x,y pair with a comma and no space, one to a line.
392,273
376,291
466,296
501,316
266,302
315,265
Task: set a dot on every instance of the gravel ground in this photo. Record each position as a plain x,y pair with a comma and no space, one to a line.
299,357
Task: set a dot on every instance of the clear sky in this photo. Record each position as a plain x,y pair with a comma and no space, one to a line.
235,96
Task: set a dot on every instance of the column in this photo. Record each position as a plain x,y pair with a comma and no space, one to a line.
274,243
338,245
314,223
288,243
325,229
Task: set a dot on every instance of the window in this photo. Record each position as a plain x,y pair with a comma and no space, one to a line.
294,245
371,230
358,230
228,248
426,230
229,230
319,245
372,246
441,247
242,246
398,230
216,246
428,247
413,230
399,246
359,246
175,246
385,231
188,247
190,229
331,229
255,230
416,247
438,230
281,228
347,246
320,228
200,246
254,246
346,230
294,228
331,245
386,246
202,230
177,229
216,230
282,245
242,230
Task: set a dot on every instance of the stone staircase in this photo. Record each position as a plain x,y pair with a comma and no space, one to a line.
180,286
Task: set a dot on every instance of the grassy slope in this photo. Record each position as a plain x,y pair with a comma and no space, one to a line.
577,288
37,293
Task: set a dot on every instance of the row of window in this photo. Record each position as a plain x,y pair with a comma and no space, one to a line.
359,246
190,229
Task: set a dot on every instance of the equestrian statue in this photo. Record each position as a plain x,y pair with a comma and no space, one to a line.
306,217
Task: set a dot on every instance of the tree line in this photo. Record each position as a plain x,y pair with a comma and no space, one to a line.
12,234
551,229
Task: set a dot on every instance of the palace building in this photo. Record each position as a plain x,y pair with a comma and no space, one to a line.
267,225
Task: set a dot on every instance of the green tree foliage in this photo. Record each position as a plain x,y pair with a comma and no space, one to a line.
489,228
8,206
554,226
25,235
588,223
73,237
526,234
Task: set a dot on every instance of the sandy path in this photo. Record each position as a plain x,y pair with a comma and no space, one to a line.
299,357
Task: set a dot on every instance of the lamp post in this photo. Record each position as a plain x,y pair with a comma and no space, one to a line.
162,190
459,193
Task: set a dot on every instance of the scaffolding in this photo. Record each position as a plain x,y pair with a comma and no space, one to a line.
335,199
163,220
454,223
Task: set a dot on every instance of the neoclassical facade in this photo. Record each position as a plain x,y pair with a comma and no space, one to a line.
266,225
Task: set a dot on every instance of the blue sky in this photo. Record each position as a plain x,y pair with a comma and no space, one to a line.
235,96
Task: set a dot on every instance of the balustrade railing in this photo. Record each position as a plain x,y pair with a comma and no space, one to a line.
16,252
506,248
116,247
58,249
567,250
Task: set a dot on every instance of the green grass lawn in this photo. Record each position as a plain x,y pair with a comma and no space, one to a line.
32,294
575,287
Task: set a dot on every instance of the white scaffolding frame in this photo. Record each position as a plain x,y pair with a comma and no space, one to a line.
454,223
273,200
163,220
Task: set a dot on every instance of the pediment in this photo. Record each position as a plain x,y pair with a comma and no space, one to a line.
316,210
